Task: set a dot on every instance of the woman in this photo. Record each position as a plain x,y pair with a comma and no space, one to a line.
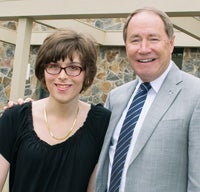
53,144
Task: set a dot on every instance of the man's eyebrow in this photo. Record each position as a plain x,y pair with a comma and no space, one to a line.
134,35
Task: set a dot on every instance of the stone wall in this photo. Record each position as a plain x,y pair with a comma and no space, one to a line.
6,63
113,70
191,61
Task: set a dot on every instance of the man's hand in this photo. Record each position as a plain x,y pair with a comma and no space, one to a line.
20,101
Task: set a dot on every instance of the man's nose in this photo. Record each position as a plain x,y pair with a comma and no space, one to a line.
144,46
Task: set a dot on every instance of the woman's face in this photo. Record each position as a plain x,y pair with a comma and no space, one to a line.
64,87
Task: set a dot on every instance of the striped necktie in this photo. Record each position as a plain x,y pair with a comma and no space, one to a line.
125,136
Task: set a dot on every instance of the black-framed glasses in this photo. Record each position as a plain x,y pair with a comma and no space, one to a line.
71,70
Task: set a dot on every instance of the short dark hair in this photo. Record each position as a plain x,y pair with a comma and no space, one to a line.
64,43
165,18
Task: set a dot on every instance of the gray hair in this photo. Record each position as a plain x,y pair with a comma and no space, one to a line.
165,18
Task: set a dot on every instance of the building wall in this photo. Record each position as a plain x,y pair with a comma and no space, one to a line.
113,70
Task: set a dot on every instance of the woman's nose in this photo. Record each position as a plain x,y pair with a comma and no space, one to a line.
62,74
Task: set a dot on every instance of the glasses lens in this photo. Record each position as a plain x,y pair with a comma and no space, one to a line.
53,68
73,70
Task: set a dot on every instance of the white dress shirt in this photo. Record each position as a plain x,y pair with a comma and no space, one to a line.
156,84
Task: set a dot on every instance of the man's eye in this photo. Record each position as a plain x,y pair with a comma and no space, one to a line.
135,41
154,39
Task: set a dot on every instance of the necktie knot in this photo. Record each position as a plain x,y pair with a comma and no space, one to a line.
145,86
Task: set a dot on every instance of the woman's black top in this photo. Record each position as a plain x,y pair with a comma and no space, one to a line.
36,166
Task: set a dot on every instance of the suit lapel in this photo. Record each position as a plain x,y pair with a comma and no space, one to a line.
122,97
167,93
118,107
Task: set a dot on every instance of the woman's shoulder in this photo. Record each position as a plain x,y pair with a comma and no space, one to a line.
98,111
98,120
100,107
94,108
95,112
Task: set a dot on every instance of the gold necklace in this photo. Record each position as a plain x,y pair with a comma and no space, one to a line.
51,133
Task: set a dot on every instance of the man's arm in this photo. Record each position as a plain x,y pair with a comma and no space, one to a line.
20,101
194,151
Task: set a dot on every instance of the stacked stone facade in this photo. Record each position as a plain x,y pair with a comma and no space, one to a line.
113,70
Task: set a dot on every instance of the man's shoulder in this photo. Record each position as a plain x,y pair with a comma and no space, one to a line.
124,86
191,80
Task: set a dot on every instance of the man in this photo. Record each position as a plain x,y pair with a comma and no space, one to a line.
164,152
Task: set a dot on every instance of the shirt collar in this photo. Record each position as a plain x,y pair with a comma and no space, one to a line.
156,84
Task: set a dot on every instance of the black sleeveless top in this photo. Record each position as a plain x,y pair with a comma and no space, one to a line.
36,166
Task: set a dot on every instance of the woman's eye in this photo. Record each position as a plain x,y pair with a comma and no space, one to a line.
54,66
73,68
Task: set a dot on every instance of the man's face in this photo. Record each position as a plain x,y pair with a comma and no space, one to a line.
148,46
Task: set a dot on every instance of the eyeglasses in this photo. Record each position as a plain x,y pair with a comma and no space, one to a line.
71,70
